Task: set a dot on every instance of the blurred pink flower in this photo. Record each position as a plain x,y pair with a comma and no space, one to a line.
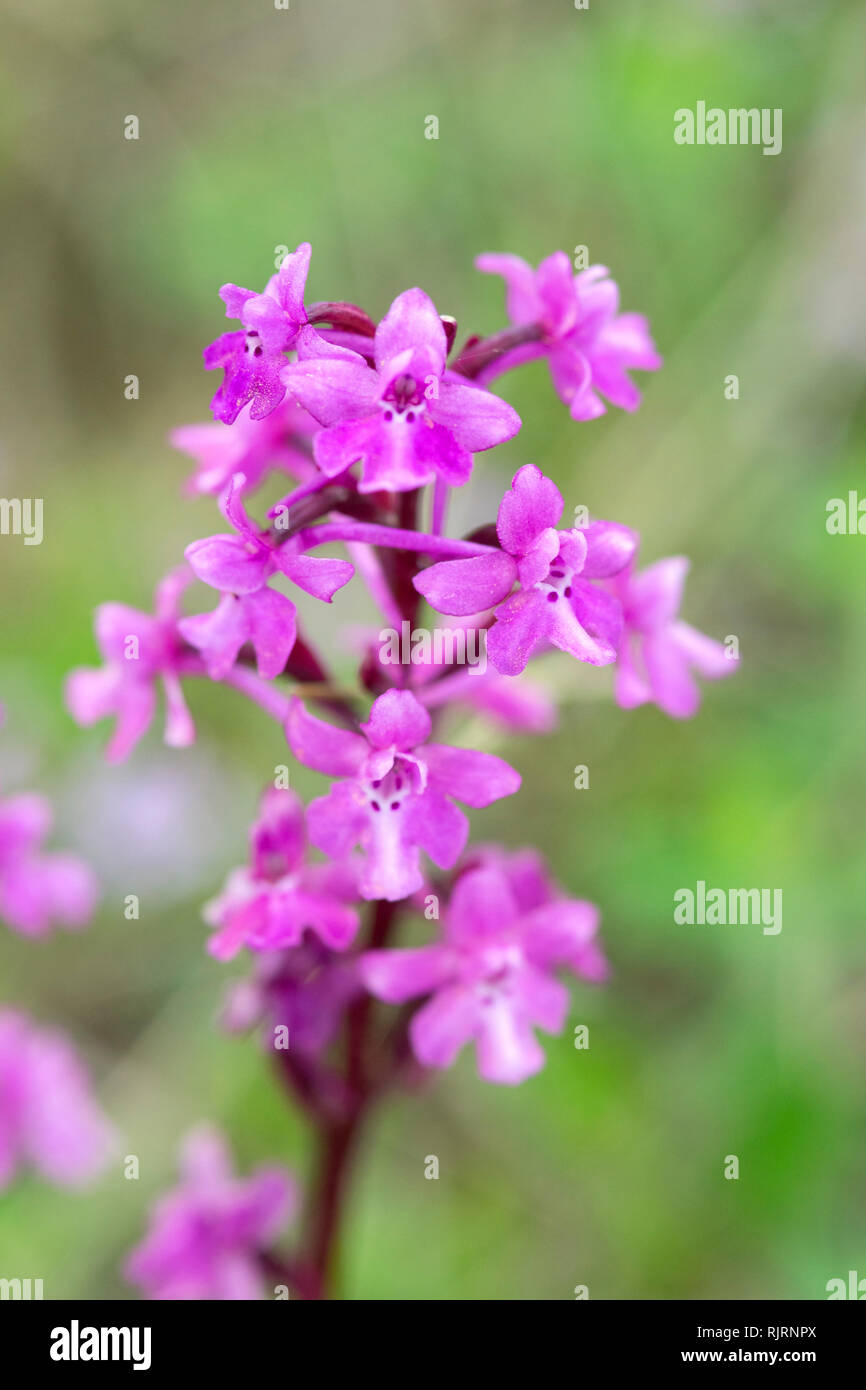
207,1234
658,652
38,890
49,1118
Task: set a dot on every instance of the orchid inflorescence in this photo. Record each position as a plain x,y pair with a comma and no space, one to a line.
369,427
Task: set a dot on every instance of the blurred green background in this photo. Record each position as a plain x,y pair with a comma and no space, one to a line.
261,127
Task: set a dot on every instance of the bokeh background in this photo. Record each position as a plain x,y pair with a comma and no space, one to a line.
262,127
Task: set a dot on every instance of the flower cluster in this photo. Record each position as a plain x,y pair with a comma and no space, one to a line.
362,428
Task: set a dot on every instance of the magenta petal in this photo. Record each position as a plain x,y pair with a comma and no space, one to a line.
338,821
437,448
225,563
572,380
655,594
522,625
339,446
179,730
438,827
598,611
609,548
477,418
135,710
674,688
532,504
710,659
391,460
522,300
234,297
541,999
557,932
291,281
248,378
115,624
315,574
218,635
263,317
311,346
631,688
391,867
482,906
444,1025
278,835
556,288
396,976
477,779
270,618
461,587
92,693
412,323
534,566
336,752
397,720
508,1051
298,910
332,388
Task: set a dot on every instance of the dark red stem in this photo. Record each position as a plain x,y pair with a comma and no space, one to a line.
339,1135
478,353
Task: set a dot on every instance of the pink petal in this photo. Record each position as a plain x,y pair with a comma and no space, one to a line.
333,389
535,565
541,998
556,932
477,779
674,688
412,322
522,301
135,710
270,618
654,594
572,377
556,288
291,281
523,624
396,976
315,574
336,752
225,563
482,906
397,720
532,504
588,625
438,827
462,587
609,548
508,1051
710,659
631,688
338,447
477,418
218,635
179,731
444,1025
440,452
116,623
